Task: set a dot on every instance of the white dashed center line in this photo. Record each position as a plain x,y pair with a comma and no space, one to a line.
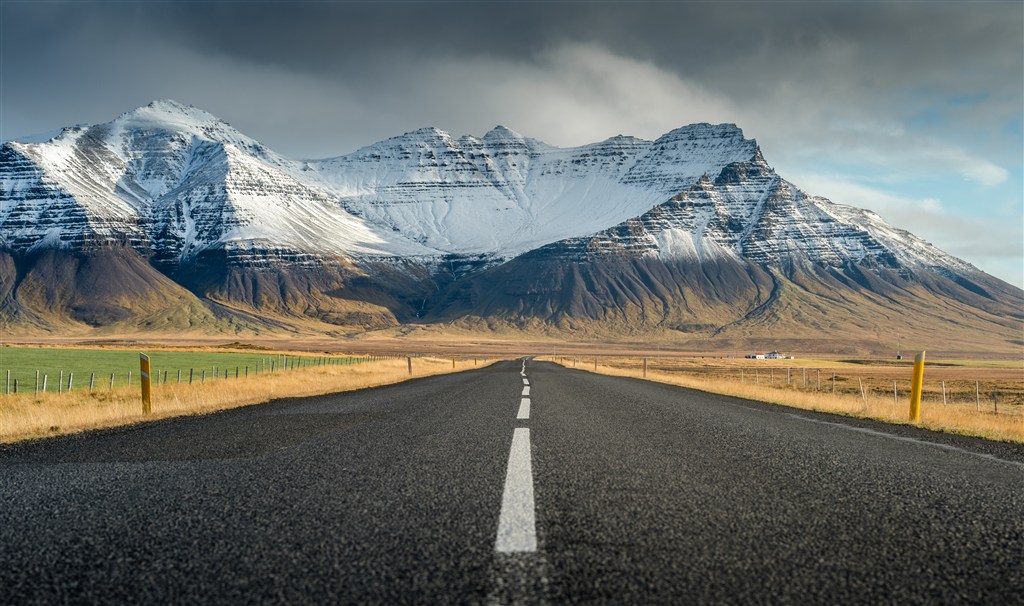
517,530
526,390
526,381
524,409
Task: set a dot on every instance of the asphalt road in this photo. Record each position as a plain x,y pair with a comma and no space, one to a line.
614,491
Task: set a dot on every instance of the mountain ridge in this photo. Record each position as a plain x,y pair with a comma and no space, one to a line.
694,233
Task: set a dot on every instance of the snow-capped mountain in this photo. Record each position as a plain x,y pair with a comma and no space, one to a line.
749,212
180,180
418,226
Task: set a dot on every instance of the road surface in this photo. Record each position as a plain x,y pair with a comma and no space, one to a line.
517,483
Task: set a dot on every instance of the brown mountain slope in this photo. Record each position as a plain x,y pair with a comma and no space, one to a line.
730,301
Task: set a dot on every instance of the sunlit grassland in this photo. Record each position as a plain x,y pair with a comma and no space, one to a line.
985,400
28,415
100,364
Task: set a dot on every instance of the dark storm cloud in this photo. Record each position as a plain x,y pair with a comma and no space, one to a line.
852,97
695,39
868,53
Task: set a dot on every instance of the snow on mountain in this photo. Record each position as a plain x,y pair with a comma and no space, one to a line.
503,194
177,181
748,212
175,178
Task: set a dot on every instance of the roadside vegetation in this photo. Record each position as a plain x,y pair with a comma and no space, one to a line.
984,399
29,414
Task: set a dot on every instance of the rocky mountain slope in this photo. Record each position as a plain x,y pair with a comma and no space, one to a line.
169,218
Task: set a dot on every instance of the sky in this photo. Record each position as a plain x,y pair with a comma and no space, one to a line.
912,109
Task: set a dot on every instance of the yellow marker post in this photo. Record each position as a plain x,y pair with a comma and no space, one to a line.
147,395
915,388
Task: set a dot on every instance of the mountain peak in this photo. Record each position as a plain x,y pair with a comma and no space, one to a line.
705,130
427,134
502,133
168,105
169,112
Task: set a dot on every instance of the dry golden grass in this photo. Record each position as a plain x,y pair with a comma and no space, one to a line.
961,414
33,416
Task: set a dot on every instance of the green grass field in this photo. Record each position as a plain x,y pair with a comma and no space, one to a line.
23,362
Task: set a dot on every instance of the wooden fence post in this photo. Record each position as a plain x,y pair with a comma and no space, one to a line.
147,393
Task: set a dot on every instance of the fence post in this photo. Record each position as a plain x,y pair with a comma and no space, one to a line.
818,388
915,388
35,386
129,378
203,379
595,363
147,392
645,368
8,381
895,394
44,382
111,388
943,393
408,362
190,376
977,396
789,376
71,378
15,385
862,395
92,381
179,375
833,382
60,382
995,400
